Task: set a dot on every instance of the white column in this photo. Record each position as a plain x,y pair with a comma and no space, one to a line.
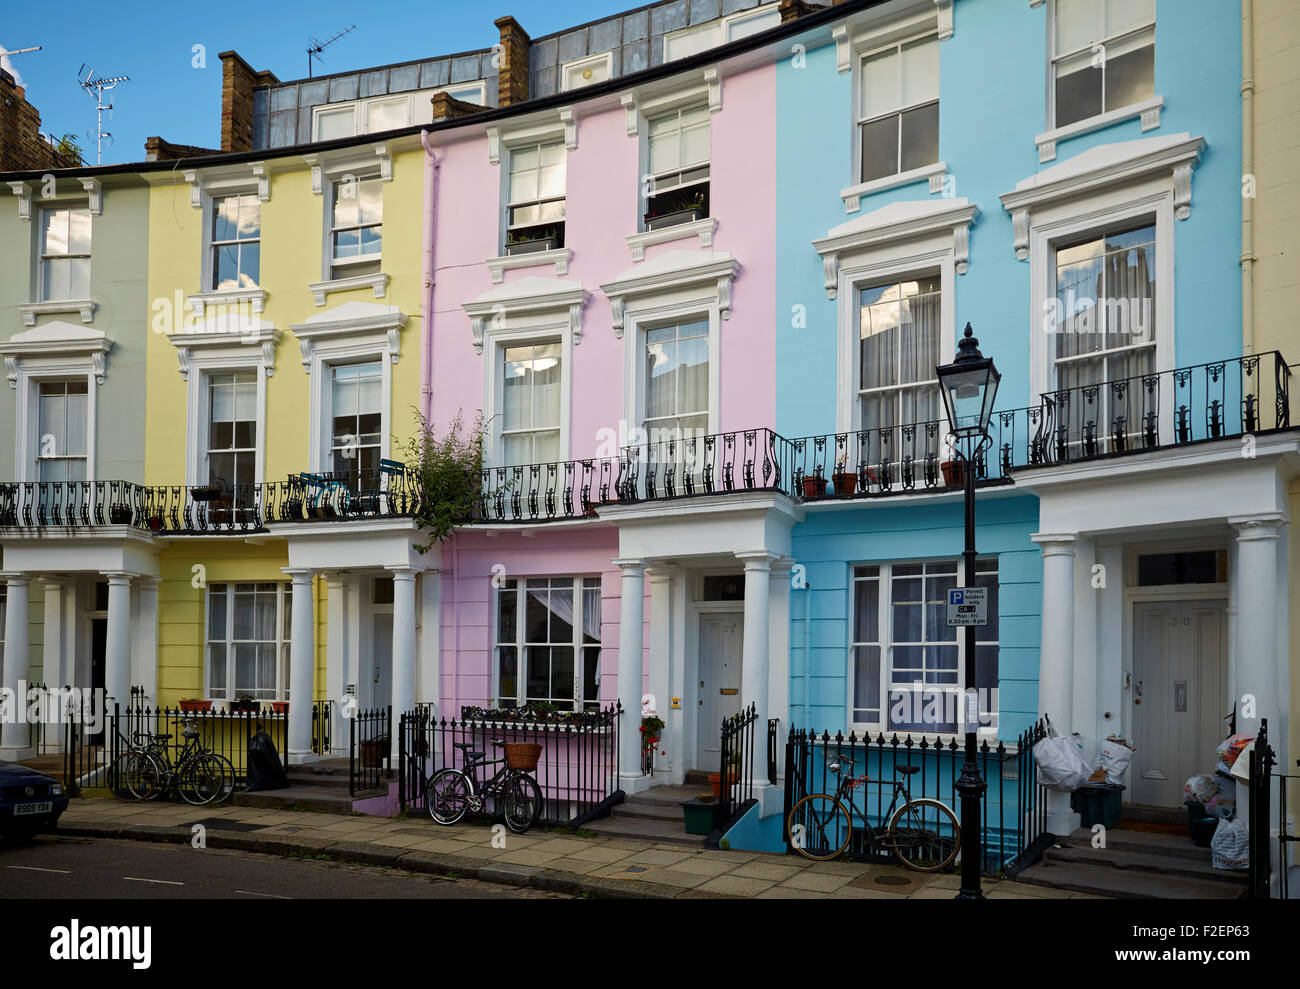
54,656
335,658
403,672
754,651
14,733
1256,678
1056,657
668,768
1083,699
144,662
302,663
778,680
117,649
631,645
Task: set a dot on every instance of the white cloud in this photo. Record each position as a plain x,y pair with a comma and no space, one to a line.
7,64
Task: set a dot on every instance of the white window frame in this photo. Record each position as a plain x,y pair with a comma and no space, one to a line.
500,346
36,385
418,102
945,345
41,255
574,69
209,292
328,261
545,128
937,167
521,600
283,592
1105,116
556,331
203,366
643,329
319,457
719,31
691,100
885,623
507,203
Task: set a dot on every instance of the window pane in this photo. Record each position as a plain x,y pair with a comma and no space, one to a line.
1078,89
225,218
1122,15
538,672
225,264
331,124
507,606
217,613
54,232
1078,24
370,200
866,611
920,137
866,684
389,115
217,670
880,148
250,265
880,84
250,217
74,443
79,231
1130,76
507,675
920,72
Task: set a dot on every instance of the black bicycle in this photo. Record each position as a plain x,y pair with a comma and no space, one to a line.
450,794
922,833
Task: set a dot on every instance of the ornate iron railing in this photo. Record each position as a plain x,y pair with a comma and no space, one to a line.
546,492
695,465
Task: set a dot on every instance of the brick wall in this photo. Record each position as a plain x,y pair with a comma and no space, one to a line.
21,146
512,78
238,80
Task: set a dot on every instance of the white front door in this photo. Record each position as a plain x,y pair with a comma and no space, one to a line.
381,660
1179,696
721,639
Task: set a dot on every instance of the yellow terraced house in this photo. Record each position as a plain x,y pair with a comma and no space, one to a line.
283,374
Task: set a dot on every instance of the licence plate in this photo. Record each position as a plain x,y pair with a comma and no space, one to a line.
44,807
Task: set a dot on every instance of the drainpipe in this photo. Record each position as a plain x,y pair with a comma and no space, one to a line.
1248,169
432,166
807,656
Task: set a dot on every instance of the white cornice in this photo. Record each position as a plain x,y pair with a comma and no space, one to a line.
704,229
23,190
352,323
235,334
255,297
531,299
1147,110
560,257
670,272
320,290
56,340
897,223
30,310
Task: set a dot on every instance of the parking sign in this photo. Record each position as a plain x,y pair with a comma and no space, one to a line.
968,606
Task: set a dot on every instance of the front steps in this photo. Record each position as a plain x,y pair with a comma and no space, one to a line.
1135,865
318,786
652,815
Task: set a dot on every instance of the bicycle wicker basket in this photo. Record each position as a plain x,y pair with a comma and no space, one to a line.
522,755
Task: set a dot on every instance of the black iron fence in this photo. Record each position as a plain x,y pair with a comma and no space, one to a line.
688,465
1013,809
545,492
773,736
370,749
736,786
1259,797
577,771
322,713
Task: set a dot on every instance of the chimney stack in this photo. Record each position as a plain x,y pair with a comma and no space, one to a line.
512,80
238,80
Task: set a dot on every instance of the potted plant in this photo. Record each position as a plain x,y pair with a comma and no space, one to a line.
670,211
532,240
206,492
245,704
652,727
155,522
119,514
732,769
954,473
194,705
698,814
280,707
446,475
814,486
844,481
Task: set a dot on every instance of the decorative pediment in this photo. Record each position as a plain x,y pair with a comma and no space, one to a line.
230,332
59,341
528,302
1099,170
674,272
353,324
893,226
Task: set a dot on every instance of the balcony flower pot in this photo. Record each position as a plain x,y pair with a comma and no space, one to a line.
280,707
245,705
532,245
698,814
674,218
844,482
206,492
120,515
814,487
195,706
155,523
954,473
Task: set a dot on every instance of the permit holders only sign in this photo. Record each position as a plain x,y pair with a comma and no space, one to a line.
968,606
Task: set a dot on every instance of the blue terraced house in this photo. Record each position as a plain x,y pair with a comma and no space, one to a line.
1065,176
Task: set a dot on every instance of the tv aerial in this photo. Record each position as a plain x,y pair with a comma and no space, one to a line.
96,87
20,51
315,47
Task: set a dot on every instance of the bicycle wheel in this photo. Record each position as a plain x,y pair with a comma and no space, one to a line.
819,827
521,803
924,834
229,779
202,779
447,795
136,775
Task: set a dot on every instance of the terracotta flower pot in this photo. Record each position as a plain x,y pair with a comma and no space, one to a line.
715,784
954,473
280,707
814,487
193,706
844,482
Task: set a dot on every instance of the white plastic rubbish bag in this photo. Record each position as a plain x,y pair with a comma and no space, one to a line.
1060,764
1115,756
1230,846
1200,788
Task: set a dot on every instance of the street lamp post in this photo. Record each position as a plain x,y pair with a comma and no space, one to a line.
968,386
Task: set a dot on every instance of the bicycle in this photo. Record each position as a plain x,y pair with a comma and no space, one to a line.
450,794
199,775
821,827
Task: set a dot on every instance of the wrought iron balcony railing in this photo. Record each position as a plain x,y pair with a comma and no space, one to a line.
1220,400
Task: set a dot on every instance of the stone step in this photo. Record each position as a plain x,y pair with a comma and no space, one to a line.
668,794
649,811
1127,883
645,829
1147,842
329,799
1119,858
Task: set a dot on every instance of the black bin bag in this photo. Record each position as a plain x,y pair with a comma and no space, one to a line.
264,769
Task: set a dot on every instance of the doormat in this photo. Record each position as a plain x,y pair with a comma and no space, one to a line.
227,824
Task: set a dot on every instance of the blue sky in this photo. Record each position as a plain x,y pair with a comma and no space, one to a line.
152,43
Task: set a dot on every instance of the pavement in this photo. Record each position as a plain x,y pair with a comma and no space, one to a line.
560,861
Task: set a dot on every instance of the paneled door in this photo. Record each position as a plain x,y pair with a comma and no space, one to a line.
1179,695
721,639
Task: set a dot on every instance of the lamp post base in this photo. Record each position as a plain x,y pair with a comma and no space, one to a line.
970,788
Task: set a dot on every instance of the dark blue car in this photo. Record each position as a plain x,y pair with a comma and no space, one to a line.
29,801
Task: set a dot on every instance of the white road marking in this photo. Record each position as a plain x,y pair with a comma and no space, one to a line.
161,882
32,868
274,896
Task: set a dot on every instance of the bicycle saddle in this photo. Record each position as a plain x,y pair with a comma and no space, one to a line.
463,746
906,770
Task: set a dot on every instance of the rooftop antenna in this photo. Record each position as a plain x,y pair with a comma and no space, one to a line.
315,47
95,88
20,51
